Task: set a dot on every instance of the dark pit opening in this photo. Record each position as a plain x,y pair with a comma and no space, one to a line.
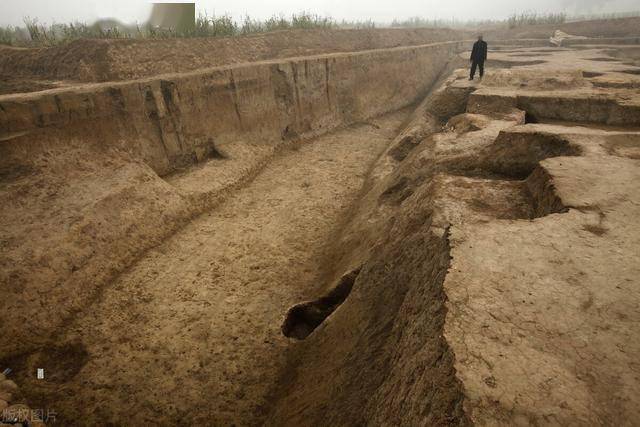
591,74
302,319
518,156
512,156
530,118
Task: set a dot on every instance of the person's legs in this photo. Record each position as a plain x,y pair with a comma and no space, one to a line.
474,64
481,66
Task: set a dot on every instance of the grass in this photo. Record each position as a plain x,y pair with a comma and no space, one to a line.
36,34
533,18
420,22
225,25
7,35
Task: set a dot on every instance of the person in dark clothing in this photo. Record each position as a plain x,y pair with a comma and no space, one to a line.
478,56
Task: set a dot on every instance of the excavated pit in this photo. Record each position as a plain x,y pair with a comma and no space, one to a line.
302,319
187,240
508,171
517,156
512,156
530,118
546,106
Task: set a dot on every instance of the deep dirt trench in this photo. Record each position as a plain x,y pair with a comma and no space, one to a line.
366,260
191,332
382,358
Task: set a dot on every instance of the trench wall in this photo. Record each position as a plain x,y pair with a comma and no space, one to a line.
171,121
80,194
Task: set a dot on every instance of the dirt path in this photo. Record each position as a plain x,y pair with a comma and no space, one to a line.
191,333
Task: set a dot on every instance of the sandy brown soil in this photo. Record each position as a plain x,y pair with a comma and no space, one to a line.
191,332
92,176
471,262
111,60
34,69
536,308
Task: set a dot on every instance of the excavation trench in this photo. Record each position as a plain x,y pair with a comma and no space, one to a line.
172,300
381,344
391,325
240,317
200,314
252,260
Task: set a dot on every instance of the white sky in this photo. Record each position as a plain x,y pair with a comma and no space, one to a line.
131,11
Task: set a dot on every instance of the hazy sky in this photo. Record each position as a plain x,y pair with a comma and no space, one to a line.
130,11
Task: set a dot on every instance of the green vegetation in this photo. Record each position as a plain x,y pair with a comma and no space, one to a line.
7,35
36,34
225,25
533,18
419,22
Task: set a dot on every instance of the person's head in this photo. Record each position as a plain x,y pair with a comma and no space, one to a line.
479,37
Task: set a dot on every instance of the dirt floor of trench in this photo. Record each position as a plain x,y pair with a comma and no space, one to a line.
191,332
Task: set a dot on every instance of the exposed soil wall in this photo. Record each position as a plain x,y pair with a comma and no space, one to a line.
384,347
380,357
107,60
79,168
177,120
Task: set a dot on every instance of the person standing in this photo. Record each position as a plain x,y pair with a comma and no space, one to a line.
478,56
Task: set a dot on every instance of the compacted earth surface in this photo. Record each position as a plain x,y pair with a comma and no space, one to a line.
470,259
